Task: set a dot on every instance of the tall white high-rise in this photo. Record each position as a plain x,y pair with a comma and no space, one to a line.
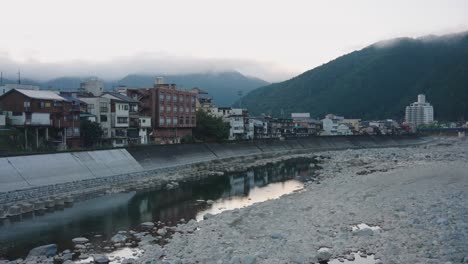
420,112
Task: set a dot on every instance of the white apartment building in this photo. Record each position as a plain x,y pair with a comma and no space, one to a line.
234,116
330,125
93,86
420,112
101,108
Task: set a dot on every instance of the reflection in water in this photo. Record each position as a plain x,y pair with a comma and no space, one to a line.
108,214
256,195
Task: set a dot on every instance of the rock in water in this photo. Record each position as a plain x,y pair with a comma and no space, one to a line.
47,250
119,238
80,240
147,225
324,254
101,259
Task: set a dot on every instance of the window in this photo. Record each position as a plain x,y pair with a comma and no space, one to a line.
103,118
27,104
143,120
181,120
174,120
162,97
47,104
168,121
103,107
122,120
125,107
174,109
187,109
193,108
76,131
174,98
90,106
41,104
161,120
193,120
181,109
187,120
193,99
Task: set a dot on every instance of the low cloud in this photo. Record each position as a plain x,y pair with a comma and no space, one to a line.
119,67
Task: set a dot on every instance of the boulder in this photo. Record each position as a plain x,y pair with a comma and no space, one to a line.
100,259
46,250
324,254
119,238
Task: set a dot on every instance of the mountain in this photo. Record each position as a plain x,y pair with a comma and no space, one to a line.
377,82
224,86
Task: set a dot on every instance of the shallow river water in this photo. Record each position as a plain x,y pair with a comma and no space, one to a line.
106,215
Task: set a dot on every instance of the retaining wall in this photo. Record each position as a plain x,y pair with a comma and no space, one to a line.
23,172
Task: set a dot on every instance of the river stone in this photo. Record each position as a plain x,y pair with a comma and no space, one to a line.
46,250
324,254
363,232
101,259
147,225
119,238
80,240
162,232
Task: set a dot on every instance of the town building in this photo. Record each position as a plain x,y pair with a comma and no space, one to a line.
330,125
304,125
52,119
420,112
93,86
237,118
258,128
281,127
204,100
172,111
99,110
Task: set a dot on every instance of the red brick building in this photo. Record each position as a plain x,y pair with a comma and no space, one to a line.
51,118
172,111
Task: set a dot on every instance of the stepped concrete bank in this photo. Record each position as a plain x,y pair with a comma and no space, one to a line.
48,180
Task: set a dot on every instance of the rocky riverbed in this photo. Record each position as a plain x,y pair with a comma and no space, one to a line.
413,201
416,195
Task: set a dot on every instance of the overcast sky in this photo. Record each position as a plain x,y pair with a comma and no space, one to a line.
270,39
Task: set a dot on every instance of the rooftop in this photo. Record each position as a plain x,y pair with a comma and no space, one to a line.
46,95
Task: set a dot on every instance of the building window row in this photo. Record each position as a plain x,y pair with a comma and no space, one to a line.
176,120
176,98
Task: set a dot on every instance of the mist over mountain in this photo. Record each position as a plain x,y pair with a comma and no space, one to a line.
377,82
222,86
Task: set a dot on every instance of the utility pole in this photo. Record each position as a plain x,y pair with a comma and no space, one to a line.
240,93
19,76
1,78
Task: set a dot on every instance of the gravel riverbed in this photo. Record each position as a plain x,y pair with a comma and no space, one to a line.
416,195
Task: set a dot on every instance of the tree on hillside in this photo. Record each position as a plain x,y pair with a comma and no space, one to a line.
210,128
91,133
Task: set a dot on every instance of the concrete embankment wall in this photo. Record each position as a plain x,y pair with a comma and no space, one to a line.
24,172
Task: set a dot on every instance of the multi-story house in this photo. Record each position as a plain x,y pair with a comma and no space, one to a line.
333,125
126,109
281,127
304,125
52,118
237,118
258,127
100,108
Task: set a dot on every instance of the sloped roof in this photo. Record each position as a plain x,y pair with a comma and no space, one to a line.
46,95
122,97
